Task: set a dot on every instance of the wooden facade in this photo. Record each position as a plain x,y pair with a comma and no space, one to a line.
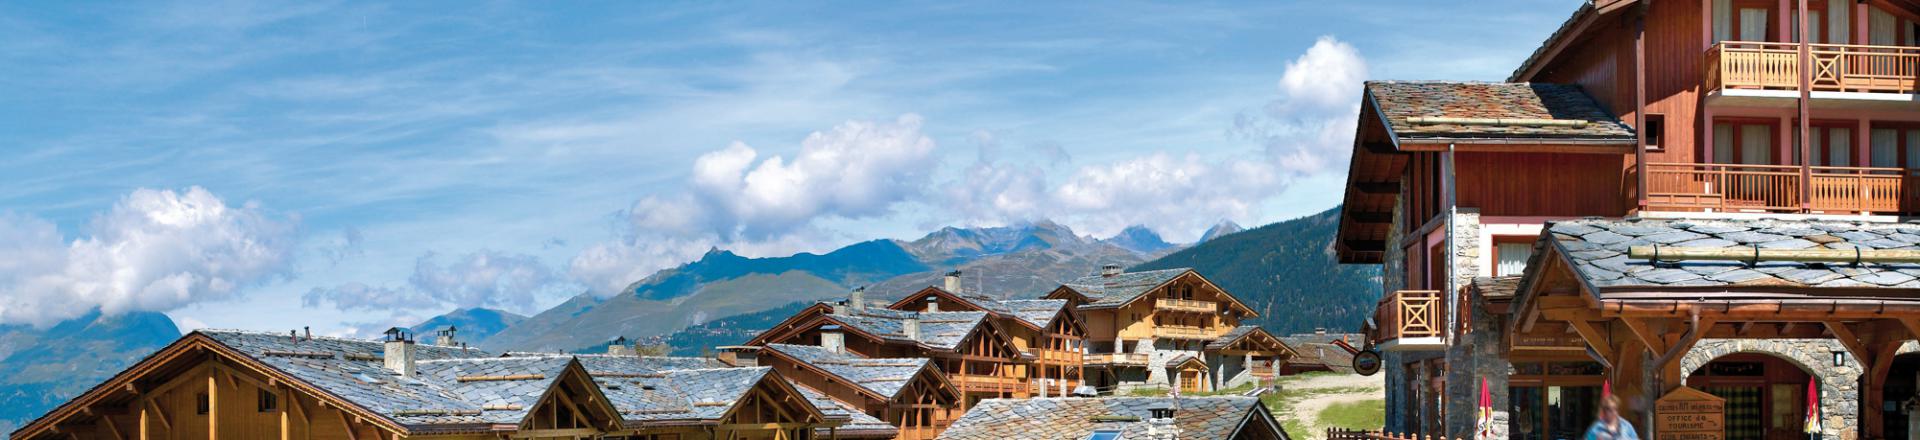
922,407
1055,349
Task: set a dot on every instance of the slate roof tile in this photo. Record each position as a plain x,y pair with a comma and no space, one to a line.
1602,244
1077,417
1397,101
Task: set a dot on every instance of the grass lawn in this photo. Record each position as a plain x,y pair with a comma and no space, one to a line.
1364,414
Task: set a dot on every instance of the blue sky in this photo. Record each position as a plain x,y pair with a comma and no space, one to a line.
351,165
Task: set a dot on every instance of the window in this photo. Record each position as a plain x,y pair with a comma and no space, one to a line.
1750,144
1105,434
268,401
1655,130
1510,255
200,404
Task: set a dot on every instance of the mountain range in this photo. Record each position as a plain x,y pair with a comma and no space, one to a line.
471,324
40,368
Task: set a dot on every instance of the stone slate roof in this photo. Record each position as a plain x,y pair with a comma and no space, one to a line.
680,395
1113,291
1597,250
1036,312
1398,100
883,376
1077,417
1501,287
643,389
939,330
857,423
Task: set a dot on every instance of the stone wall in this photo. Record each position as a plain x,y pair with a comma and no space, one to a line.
1477,355
1393,276
1840,390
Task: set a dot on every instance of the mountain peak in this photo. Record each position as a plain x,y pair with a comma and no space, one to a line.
1139,238
1223,228
475,323
955,245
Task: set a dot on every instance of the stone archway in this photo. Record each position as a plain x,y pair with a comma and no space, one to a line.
1840,389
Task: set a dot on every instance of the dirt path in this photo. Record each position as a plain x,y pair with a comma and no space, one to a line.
1323,391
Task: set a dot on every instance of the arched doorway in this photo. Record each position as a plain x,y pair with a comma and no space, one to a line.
1775,396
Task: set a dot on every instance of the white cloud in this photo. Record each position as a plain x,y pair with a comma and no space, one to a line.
1309,128
155,250
516,282
734,197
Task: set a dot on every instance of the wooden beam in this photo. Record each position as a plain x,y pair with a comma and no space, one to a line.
111,429
1596,342
1370,217
1377,188
1365,245
213,404
1847,338
1647,336
352,434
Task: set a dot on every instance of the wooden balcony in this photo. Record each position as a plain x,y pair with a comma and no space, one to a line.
1182,332
1777,189
1057,357
974,383
1409,320
1185,305
1749,65
1116,358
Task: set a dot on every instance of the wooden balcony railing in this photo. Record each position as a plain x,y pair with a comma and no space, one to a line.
1409,314
987,384
1776,188
1046,356
1117,358
1186,305
1182,332
1835,67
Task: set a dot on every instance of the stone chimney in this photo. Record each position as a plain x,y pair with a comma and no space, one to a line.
1319,331
911,326
1110,270
399,352
832,339
619,347
933,304
953,282
857,300
445,337
1160,424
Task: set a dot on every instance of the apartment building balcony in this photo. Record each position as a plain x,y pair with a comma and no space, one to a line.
1185,305
1183,332
1409,320
1730,188
1057,357
975,383
1121,359
1757,73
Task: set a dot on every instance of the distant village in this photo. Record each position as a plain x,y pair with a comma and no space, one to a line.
1159,354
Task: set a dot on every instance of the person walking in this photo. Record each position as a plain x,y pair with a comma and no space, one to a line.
1609,425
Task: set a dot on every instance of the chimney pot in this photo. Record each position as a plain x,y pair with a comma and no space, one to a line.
832,339
952,283
857,300
1110,270
399,352
446,337
619,347
911,326
933,304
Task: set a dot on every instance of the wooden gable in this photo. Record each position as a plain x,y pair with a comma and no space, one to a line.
774,405
572,405
162,394
1074,297
988,341
1207,287
1258,342
949,302
792,325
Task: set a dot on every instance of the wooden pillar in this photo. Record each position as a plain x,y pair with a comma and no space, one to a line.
1706,135
146,416
286,420
1806,83
213,404
1639,114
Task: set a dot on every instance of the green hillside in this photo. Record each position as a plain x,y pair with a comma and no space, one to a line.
1288,273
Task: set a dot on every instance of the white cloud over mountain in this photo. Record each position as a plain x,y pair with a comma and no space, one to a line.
154,250
486,278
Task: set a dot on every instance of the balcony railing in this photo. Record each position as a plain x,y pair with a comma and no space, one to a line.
1117,358
1835,67
1181,332
1186,305
1057,356
1777,189
987,384
1409,318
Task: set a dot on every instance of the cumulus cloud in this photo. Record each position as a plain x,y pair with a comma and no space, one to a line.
155,250
1306,129
480,279
1309,127
738,197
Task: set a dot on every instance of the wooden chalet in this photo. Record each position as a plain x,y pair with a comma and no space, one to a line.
908,395
1048,330
308,387
1148,329
976,354
1742,146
